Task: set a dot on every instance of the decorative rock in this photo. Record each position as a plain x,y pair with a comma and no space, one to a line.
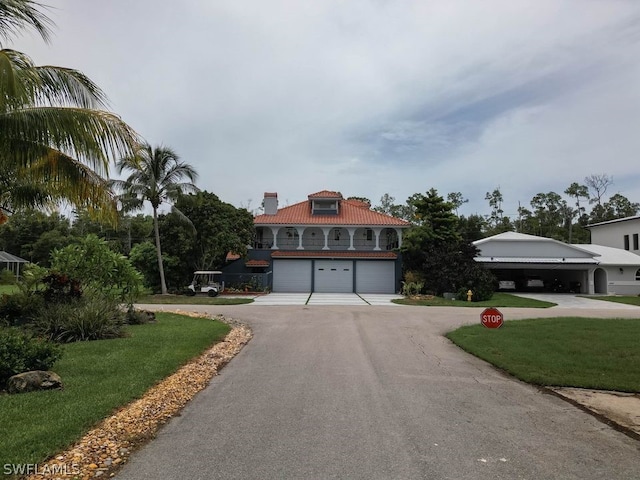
34,380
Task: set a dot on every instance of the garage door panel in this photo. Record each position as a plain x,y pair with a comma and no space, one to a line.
333,276
375,277
292,276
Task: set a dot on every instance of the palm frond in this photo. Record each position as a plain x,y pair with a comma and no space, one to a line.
18,15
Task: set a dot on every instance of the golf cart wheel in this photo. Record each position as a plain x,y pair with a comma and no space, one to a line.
212,293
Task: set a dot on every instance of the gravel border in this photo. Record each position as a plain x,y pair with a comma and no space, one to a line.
105,448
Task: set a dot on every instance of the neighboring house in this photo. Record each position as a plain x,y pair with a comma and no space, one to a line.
12,263
326,244
620,233
584,268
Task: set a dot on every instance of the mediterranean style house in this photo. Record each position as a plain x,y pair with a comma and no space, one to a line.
325,244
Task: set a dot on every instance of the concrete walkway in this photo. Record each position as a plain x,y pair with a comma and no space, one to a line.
569,300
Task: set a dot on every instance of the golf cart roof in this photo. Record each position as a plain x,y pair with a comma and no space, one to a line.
207,272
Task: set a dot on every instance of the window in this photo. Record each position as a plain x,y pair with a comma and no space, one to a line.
626,242
635,241
336,234
369,234
638,275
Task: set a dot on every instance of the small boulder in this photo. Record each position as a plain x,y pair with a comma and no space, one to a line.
34,380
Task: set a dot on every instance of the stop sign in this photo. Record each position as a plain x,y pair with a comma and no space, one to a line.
491,318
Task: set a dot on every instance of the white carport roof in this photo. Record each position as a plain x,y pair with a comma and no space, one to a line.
496,250
550,260
613,256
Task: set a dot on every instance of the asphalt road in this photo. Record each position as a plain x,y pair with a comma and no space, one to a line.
377,393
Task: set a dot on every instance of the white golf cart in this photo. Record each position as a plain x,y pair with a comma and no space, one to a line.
206,281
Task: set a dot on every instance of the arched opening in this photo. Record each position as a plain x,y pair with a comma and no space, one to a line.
600,280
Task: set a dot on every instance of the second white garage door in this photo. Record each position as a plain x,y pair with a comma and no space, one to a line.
292,276
333,276
375,277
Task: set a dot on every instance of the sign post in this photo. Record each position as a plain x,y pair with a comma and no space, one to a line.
492,318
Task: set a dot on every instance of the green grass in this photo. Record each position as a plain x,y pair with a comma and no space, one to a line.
629,300
196,300
573,352
499,300
99,377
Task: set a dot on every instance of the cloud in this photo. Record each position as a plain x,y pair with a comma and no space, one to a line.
368,97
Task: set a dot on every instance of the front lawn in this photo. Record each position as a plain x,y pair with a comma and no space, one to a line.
571,352
195,300
99,377
628,300
499,300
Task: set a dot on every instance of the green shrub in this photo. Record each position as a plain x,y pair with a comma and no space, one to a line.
21,352
91,317
7,277
19,308
412,288
481,293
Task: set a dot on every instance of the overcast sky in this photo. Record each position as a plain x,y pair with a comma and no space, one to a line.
368,97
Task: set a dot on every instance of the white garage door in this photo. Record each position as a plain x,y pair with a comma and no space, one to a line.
292,275
333,276
375,277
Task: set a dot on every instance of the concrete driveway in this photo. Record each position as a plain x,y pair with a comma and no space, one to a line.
367,392
324,299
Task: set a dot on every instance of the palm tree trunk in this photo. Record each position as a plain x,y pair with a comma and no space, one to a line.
163,285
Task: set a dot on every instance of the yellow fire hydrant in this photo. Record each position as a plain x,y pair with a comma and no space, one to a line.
469,295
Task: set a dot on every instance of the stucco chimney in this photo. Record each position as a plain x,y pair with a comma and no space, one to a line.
270,203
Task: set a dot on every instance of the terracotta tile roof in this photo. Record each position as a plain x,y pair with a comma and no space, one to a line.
325,194
331,254
257,263
351,212
232,256
270,194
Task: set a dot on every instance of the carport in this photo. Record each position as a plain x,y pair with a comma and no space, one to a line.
518,257
12,263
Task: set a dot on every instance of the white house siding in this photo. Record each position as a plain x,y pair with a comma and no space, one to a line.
611,234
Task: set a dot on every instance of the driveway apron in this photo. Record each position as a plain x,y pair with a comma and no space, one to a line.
376,393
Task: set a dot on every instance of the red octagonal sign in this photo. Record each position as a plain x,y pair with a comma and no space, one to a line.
491,318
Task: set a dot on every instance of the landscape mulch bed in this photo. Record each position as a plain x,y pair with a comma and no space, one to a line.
106,448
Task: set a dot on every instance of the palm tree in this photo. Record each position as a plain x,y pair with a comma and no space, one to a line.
53,134
56,139
157,177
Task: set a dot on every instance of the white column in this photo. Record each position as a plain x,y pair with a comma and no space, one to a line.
300,231
274,231
399,233
352,233
377,232
326,231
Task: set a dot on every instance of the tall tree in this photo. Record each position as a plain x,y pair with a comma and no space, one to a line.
457,200
157,176
437,253
598,184
495,202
